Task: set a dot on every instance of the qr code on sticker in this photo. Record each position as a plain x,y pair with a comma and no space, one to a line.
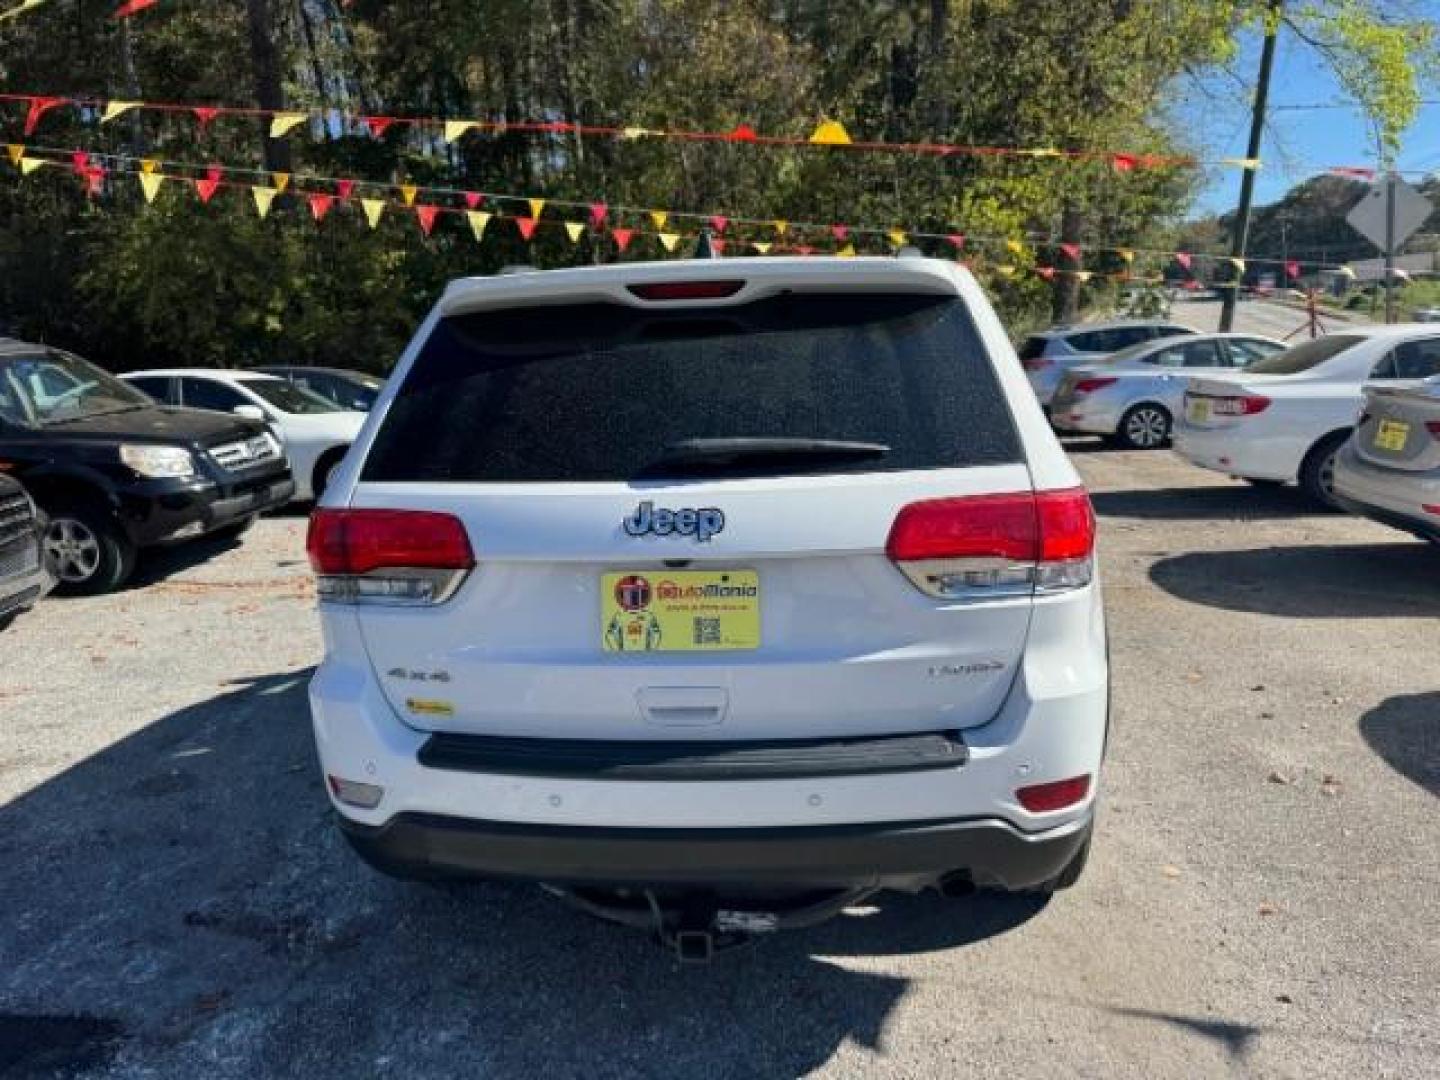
707,631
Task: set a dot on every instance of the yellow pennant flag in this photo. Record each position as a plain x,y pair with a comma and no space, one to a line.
669,239
456,128
117,108
847,252
659,217
633,132
408,193
781,226
831,133
1016,247
1242,162
478,220
1084,275
149,165
263,196
30,164
150,185
282,122
1126,254
762,247
281,179
1345,271
16,152
576,229
1005,271
26,6
897,237
373,209
1238,264
537,207
1041,151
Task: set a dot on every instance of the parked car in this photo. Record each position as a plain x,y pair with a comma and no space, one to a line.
1047,355
115,473
706,579
1134,396
24,576
339,386
1285,418
314,430
1428,315
1390,468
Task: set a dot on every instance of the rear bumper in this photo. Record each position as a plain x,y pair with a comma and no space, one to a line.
1389,496
1086,416
1246,451
889,854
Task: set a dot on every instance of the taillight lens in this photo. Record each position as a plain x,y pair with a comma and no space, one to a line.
404,557
1433,427
983,546
1088,386
1246,405
1055,795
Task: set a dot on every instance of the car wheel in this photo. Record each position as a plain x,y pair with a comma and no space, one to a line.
1317,471
87,550
1144,427
325,470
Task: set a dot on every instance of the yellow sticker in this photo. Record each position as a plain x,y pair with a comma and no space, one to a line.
424,707
680,611
1392,434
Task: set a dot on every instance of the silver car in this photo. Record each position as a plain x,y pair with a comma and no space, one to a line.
1134,396
1047,355
1390,468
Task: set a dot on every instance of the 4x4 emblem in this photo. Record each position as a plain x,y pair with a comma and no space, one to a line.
701,524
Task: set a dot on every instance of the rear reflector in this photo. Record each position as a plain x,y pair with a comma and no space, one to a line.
388,556
354,793
1056,795
1247,405
1086,386
687,290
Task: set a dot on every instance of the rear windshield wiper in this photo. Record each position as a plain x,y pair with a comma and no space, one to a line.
708,457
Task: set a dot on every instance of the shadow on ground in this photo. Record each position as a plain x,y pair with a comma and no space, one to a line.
1405,732
1325,582
1231,503
180,904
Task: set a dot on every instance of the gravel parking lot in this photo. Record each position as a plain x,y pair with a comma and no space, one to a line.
1262,899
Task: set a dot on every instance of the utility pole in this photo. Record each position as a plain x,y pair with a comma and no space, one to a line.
1241,233
1390,181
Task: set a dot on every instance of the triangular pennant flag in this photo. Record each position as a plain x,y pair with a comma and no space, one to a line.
763,247
473,199
897,237
478,219
30,164
39,106
957,241
320,205
1292,269
781,226
576,229
282,123
130,7
1124,162
526,225
1183,259
831,133
1084,275
344,189
204,114
15,151
1046,272
633,132
425,215
150,185
149,165
24,7
263,197
206,188
378,125
117,108
373,208
599,212
1072,251
456,128
669,240
742,133
718,222
1238,264
805,249
659,217
622,237
1005,271
281,180
1125,254
1242,162
408,193
1015,247
1345,271
94,180
537,207
79,161
718,246
847,252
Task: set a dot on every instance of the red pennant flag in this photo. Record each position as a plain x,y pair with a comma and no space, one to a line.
1124,162
473,199
1046,272
320,205
206,188
840,232
204,114
1293,269
526,225
622,237
426,216
958,239
598,213
378,125
718,222
804,249
79,161
718,246
130,7
1183,259
1191,283
1354,171
1072,251
344,188
94,180
742,133
39,106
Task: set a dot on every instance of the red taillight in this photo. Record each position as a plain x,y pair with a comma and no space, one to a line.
361,541
1247,405
999,526
1086,386
1055,795
1433,427
687,290
1067,524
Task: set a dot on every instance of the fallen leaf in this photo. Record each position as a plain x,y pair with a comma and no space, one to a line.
1268,909
1277,777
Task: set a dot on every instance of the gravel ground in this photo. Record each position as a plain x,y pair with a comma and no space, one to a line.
1262,899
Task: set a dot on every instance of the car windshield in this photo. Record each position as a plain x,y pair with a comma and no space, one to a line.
1304,357
44,388
289,398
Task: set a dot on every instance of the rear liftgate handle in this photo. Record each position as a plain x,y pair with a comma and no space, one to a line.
683,706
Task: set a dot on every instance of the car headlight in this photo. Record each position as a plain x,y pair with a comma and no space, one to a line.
159,461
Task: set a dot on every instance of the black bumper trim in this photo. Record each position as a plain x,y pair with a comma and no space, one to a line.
770,759
883,854
1414,526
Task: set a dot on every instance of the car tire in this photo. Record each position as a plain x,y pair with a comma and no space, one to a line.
1317,471
325,470
88,551
1255,481
1144,427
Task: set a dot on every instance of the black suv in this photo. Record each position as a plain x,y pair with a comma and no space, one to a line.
115,472
23,576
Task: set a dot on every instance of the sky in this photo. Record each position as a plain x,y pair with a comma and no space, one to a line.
1298,143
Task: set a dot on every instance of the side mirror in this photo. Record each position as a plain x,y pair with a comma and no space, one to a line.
251,412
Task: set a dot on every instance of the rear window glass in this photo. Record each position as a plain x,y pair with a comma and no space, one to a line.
1305,356
593,392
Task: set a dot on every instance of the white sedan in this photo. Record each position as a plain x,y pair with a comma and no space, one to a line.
1135,394
1390,470
1284,418
316,432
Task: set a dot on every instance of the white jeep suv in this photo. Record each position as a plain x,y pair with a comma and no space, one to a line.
742,577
